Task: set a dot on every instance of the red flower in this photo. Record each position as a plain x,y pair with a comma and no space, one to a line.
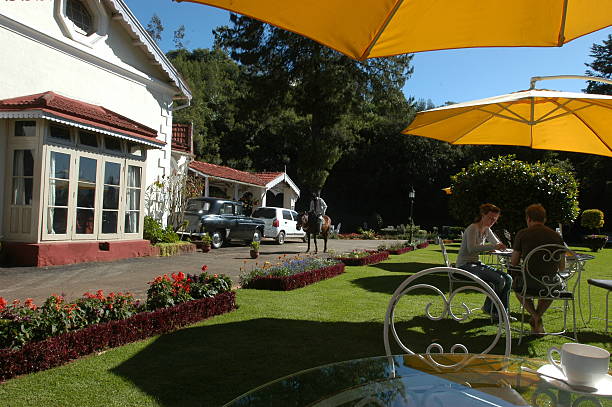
100,294
216,275
30,304
2,303
204,267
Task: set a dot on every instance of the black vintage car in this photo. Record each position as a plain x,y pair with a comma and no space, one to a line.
222,219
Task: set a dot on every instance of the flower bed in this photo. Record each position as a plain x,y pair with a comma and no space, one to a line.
286,283
35,338
290,273
401,250
422,245
361,258
57,350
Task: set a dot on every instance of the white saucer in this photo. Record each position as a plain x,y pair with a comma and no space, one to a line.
603,387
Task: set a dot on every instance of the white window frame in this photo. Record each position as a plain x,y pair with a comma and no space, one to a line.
71,193
120,208
77,161
142,166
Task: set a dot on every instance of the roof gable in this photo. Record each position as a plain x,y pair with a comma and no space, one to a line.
226,172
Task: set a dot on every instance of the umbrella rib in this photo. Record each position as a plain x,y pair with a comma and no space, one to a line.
559,106
565,113
478,107
475,126
382,28
520,118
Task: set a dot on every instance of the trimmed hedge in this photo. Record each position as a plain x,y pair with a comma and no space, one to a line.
286,283
57,350
401,251
375,257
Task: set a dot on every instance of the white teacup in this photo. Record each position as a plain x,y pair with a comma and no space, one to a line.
581,364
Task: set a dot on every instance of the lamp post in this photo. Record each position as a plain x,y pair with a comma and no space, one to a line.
411,195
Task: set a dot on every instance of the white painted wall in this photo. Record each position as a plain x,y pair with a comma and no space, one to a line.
112,72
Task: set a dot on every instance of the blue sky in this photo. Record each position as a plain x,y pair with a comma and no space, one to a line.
453,75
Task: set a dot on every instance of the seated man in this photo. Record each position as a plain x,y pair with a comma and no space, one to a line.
536,234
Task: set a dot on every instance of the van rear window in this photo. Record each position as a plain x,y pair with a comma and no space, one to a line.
265,213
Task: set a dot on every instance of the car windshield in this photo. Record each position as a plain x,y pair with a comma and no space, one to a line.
265,213
197,206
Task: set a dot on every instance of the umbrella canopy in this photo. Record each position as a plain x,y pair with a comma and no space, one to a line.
365,28
542,119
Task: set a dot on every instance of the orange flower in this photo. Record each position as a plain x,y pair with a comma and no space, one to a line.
100,294
216,275
30,304
2,303
204,267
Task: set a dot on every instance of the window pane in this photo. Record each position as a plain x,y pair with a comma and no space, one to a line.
29,187
112,143
85,221
23,163
133,199
79,15
131,222
18,191
88,139
86,195
60,165
134,176
112,172
111,198
59,132
25,128
87,169
109,222
56,222
58,193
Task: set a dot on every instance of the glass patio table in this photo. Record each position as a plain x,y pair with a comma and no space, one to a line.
416,380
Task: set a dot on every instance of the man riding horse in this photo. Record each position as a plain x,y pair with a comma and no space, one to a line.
315,222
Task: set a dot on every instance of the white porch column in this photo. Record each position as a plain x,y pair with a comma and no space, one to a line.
206,185
263,197
235,192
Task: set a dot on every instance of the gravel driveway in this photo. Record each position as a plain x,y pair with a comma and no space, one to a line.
133,274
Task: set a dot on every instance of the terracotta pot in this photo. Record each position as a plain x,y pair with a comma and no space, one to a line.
254,254
205,248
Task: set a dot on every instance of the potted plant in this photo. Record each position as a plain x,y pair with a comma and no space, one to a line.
254,249
206,241
593,219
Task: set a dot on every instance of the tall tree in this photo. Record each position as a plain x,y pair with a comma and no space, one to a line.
601,66
324,90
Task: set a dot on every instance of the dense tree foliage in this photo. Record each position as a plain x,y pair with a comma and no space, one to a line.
513,185
321,94
601,66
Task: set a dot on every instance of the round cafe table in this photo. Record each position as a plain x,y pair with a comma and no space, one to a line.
415,380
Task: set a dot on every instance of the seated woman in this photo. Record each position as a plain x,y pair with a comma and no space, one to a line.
536,234
478,238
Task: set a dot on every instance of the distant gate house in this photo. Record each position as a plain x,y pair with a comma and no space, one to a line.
86,105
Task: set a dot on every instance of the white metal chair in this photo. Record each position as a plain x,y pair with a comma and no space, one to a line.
419,281
554,270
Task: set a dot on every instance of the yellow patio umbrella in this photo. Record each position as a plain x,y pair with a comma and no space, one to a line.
447,190
541,119
365,29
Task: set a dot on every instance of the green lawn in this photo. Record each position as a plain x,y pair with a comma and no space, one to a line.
273,334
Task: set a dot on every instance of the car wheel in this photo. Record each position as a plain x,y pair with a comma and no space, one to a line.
217,240
280,239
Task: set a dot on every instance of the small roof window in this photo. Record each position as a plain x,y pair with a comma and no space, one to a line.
79,15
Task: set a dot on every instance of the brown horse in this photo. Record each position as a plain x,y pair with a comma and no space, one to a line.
308,222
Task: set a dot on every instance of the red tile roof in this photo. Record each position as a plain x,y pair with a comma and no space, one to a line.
181,137
227,173
81,112
268,176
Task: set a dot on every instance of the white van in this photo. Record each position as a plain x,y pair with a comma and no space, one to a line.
280,223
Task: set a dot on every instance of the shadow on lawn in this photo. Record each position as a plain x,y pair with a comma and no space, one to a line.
388,284
210,365
409,267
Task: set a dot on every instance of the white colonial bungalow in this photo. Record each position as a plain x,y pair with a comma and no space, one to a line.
86,104
266,188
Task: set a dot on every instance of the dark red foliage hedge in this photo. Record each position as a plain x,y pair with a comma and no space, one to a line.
375,257
401,251
57,350
286,283
422,245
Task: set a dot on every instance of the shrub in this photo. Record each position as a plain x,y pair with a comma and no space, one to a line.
152,230
513,185
592,219
368,234
255,245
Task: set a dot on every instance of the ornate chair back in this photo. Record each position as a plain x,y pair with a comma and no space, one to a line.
449,311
